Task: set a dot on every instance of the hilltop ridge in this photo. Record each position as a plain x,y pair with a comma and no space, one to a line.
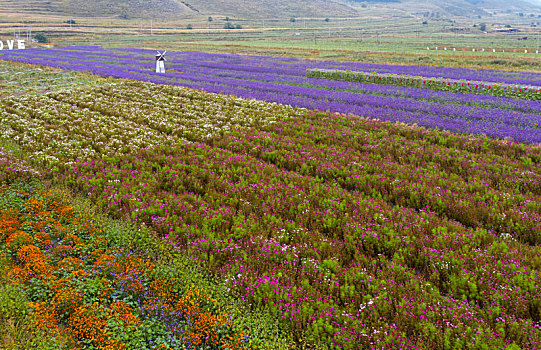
260,8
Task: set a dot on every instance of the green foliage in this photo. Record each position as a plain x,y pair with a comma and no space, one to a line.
439,84
15,316
41,38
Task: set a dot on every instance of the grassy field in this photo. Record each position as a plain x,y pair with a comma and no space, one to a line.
18,79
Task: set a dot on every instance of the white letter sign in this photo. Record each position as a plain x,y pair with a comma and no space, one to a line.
11,44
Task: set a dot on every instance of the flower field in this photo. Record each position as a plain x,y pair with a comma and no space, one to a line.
284,80
91,284
352,232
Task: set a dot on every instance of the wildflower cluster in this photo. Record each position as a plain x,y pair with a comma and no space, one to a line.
351,231
13,169
92,294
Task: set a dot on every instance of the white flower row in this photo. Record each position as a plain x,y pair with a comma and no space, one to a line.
121,118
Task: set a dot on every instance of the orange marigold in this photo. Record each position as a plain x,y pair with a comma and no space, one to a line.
124,314
65,213
34,205
33,260
65,301
9,223
106,263
42,239
44,316
19,237
30,255
18,274
85,323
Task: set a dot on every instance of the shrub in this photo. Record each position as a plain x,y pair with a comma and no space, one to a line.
42,38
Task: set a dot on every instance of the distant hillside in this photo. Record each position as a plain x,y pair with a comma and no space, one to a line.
36,7
180,8
467,8
125,8
274,8
259,8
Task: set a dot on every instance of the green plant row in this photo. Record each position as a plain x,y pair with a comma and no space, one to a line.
438,84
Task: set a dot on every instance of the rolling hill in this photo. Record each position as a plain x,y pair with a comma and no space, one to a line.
259,8
468,8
